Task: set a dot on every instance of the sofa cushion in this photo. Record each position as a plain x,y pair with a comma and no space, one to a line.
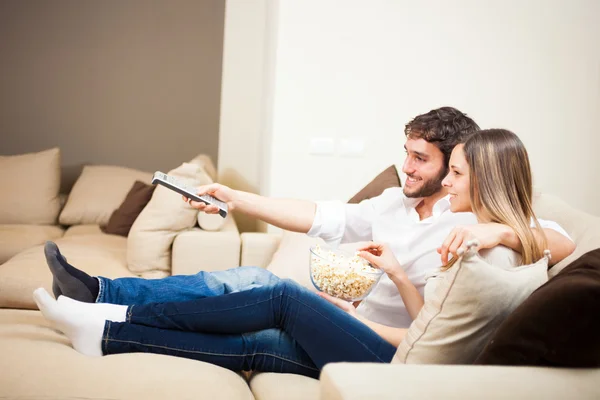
122,218
557,326
16,238
38,362
76,230
291,259
98,192
152,234
276,386
210,222
207,165
99,254
30,183
583,228
466,304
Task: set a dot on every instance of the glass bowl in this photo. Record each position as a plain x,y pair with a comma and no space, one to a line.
342,274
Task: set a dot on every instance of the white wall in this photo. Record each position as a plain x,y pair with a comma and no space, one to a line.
246,42
356,69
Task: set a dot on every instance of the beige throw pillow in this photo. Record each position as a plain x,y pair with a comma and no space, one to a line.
30,184
468,303
152,234
98,192
210,222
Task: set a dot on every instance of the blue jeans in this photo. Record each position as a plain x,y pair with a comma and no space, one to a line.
245,330
128,291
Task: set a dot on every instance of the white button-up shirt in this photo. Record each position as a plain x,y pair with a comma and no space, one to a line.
392,218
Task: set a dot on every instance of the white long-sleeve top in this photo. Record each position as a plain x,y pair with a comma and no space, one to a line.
392,218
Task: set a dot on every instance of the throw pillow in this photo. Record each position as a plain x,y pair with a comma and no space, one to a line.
98,192
469,302
31,183
152,234
122,218
211,222
557,326
387,179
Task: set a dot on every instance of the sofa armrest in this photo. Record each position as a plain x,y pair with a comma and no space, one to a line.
353,381
258,248
198,250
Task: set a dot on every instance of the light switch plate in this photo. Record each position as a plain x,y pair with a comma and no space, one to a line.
322,146
352,147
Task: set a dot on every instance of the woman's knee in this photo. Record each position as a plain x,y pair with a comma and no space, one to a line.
288,286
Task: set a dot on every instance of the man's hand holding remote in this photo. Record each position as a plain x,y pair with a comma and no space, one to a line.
221,192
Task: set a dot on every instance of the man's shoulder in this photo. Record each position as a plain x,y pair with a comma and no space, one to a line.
390,196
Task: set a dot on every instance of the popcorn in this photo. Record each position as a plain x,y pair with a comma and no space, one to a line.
345,277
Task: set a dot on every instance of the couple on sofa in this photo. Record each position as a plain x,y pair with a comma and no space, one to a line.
465,188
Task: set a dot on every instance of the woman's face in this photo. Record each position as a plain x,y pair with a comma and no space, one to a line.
457,181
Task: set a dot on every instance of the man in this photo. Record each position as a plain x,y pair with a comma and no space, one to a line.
415,220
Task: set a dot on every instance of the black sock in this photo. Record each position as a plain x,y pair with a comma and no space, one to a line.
68,280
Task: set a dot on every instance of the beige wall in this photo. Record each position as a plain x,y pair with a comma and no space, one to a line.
133,82
343,70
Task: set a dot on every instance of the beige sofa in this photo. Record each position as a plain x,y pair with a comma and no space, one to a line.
350,381
37,361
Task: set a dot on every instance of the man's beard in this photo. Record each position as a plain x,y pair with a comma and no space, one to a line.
430,187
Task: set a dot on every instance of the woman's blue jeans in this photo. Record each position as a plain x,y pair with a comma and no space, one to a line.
277,328
128,291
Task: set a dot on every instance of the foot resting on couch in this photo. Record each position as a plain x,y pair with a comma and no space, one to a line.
83,330
82,323
68,280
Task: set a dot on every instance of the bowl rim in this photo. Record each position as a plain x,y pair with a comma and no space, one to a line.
376,272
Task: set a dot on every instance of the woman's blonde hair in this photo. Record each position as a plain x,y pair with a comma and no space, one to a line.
501,187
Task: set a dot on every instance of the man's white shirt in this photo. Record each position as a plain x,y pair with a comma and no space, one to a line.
392,218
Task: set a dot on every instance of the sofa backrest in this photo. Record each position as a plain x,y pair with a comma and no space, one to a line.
583,228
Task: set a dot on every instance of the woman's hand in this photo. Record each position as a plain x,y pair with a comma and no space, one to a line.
381,256
487,235
344,305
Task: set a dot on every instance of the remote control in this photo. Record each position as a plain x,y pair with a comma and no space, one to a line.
188,191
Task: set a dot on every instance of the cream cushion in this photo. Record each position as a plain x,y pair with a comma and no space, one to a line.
99,254
276,386
30,184
291,259
38,363
16,238
152,234
467,303
206,163
76,230
210,222
98,192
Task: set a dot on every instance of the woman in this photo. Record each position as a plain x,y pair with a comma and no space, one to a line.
489,175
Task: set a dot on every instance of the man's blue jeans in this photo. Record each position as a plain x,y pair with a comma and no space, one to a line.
128,291
276,328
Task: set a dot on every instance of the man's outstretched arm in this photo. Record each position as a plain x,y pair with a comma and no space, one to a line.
289,214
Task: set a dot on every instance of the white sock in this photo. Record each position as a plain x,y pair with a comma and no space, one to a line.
111,312
83,330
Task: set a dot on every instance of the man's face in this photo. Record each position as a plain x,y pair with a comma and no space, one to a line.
424,168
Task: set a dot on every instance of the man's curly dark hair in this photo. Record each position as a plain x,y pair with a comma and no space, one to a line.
444,127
